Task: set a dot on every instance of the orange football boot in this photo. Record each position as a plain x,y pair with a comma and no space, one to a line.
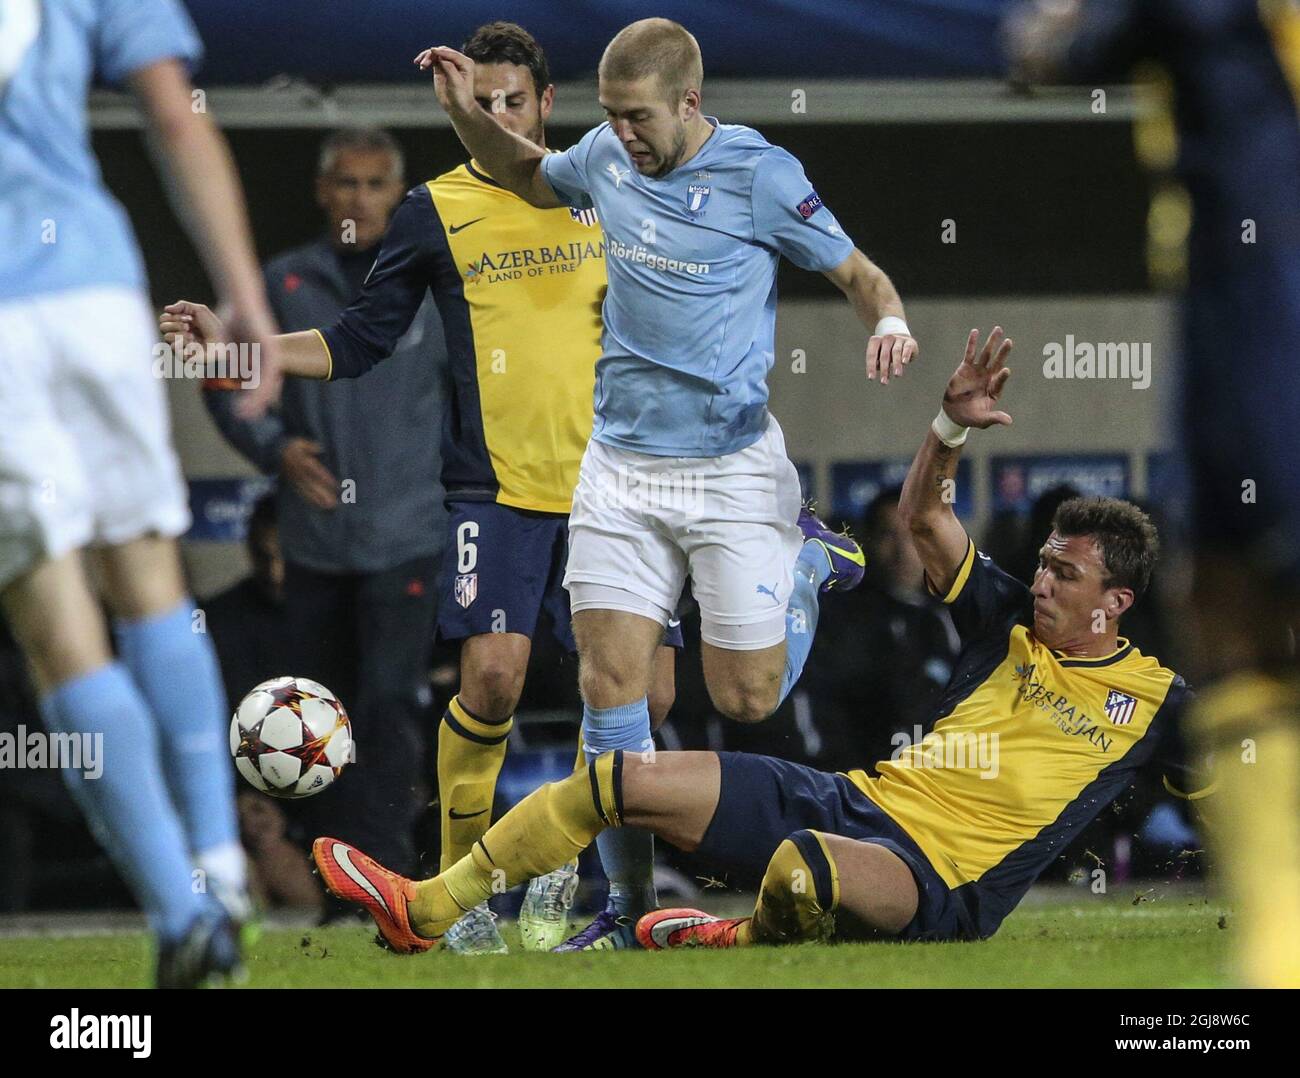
662,929
352,876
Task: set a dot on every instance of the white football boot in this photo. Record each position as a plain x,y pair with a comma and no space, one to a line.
475,933
544,916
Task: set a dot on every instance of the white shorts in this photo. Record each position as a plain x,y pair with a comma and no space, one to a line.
85,434
641,523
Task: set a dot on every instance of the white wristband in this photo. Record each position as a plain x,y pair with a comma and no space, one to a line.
949,432
891,323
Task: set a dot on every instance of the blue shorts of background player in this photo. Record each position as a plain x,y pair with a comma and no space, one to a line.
502,567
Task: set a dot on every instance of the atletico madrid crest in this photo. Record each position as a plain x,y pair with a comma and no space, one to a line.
584,217
1120,707
466,589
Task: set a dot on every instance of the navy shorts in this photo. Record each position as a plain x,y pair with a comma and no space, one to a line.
501,567
764,800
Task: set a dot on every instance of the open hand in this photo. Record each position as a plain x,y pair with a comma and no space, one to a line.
973,391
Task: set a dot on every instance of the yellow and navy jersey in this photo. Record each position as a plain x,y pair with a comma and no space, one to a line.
519,290
1028,746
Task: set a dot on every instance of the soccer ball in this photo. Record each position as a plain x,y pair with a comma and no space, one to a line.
290,737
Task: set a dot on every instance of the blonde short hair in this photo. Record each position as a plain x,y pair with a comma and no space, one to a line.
658,47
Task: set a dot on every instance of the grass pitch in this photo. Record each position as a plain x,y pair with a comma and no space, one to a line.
1135,939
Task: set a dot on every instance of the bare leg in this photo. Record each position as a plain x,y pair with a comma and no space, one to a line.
615,655
57,621
663,685
744,685
143,577
877,889
673,794
492,669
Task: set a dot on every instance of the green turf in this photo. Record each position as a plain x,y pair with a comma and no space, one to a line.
1095,942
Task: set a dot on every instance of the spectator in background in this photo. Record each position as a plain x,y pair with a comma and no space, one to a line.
360,504
248,620
894,646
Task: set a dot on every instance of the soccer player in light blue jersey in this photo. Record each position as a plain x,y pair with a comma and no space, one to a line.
686,471
86,458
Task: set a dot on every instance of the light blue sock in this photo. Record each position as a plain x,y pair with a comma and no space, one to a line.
176,670
627,854
811,568
126,803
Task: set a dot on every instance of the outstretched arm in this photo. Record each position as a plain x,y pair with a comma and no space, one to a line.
300,354
412,258
875,300
511,160
926,504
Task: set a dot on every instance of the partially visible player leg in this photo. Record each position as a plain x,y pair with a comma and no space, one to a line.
85,422
85,693
499,568
671,794
173,663
758,562
624,575
827,561
471,751
472,736
813,879
1251,722
617,658
626,853
120,423
548,828
663,686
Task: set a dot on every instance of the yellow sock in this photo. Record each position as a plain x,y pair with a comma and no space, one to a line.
547,829
470,755
799,895
1251,722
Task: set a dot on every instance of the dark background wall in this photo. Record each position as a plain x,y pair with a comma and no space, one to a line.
1040,208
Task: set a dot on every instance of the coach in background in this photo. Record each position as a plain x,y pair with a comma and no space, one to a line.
360,504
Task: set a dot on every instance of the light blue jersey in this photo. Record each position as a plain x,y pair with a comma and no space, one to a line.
690,315
61,229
